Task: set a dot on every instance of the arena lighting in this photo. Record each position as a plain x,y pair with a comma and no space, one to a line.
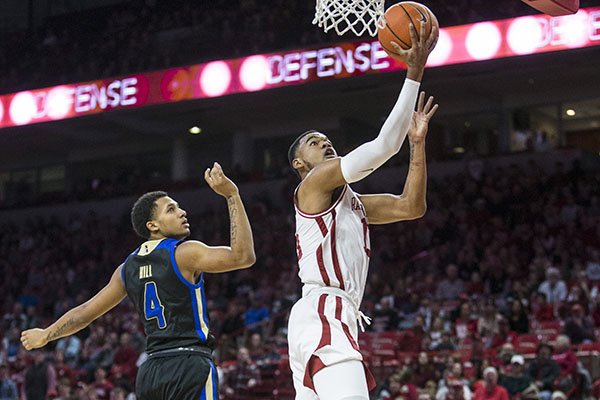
253,73
483,41
215,78
194,130
457,44
570,112
59,102
22,108
442,50
572,30
525,35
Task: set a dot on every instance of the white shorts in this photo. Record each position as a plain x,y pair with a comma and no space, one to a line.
322,331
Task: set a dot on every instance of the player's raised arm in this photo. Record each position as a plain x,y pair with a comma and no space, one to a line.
79,317
411,204
239,254
358,164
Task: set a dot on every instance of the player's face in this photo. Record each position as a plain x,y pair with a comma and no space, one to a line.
169,220
314,149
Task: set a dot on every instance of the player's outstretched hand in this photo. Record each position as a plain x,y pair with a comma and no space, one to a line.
218,182
34,338
421,47
420,119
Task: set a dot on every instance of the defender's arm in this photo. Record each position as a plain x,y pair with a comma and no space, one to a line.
79,317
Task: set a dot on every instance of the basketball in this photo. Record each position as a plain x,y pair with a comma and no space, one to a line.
397,19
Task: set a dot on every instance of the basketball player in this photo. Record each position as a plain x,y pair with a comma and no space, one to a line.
164,280
332,237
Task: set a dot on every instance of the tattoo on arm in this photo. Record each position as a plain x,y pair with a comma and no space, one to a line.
412,151
232,216
65,327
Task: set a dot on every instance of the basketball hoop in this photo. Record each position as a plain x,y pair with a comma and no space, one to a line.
357,16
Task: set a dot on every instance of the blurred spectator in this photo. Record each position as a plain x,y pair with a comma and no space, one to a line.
10,345
505,354
592,268
504,335
385,318
234,319
518,319
101,386
260,350
488,324
16,319
8,387
240,378
553,287
490,390
451,286
126,356
63,370
424,370
465,324
542,310
64,390
544,371
454,390
40,377
435,333
32,319
399,386
516,382
567,361
70,346
558,395
446,343
256,315
579,327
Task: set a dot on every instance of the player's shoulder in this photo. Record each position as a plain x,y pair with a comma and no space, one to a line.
191,249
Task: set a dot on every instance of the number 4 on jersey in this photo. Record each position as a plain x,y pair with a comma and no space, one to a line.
153,308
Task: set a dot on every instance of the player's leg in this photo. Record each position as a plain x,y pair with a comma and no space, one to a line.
342,381
304,332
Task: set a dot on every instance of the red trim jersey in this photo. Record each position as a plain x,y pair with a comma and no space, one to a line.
333,256
333,246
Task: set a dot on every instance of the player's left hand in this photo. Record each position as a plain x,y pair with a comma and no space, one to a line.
420,119
219,182
34,338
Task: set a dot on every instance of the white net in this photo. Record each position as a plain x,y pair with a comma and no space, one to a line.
357,16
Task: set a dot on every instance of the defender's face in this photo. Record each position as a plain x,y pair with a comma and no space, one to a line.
314,148
169,220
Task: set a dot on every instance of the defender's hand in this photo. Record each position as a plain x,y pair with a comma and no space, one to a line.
34,338
420,119
220,183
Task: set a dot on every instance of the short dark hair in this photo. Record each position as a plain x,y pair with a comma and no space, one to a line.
294,146
546,345
143,211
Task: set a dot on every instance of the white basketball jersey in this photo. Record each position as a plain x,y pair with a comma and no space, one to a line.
333,247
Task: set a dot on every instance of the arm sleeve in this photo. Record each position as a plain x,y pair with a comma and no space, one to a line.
360,162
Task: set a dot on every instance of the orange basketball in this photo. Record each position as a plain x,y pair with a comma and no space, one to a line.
396,29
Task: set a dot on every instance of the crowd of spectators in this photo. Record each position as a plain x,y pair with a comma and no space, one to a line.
496,256
137,36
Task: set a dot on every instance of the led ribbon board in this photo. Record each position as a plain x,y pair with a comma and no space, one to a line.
459,44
